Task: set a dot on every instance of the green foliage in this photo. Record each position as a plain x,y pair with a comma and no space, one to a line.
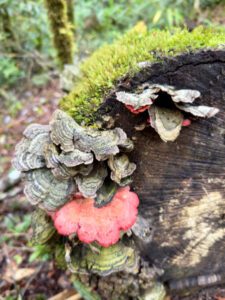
18,259
41,252
9,71
28,35
12,104
40,79
29,24
100,71
210,3
16,224
84,291
102,21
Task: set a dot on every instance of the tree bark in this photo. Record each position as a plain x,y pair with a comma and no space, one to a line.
70,11
61,29
181,185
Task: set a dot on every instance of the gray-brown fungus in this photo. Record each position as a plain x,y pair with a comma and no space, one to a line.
120,167
69,135
90,184
44,189
137,100
62,130
166,122
75,158
63,158
29,152
166,119
142,229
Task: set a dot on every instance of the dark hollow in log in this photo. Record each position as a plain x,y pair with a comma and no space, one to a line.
181,184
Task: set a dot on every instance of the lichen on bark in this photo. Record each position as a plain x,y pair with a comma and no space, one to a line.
61,29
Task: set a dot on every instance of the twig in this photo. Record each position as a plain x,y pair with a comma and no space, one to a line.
31,279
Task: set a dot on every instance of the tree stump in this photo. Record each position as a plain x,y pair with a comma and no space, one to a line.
181,184
80,177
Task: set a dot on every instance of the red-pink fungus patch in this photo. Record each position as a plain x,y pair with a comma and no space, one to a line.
186,122
103,224
137,111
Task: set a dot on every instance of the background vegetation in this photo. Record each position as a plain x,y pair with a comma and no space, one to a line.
26,48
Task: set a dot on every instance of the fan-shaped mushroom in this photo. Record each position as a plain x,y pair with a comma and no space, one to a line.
121,167
166,121
44,189
104,262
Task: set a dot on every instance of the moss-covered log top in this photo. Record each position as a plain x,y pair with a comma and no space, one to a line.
101,71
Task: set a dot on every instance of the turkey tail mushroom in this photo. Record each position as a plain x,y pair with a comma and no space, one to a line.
104,262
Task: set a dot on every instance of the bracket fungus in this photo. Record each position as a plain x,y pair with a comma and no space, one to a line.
103,224
42,226
166,118
43,189
76,177
120,167
90,184
103,262
63,157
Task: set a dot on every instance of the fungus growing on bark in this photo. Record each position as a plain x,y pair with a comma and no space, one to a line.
43,189
105,193
90,184
142,229
59,158
103,262
120,167
167,121
186,123
69,135
103,224
137,103
42,226
29,152
137,111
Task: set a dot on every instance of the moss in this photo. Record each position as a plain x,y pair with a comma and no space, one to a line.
70,12
61,29
101,70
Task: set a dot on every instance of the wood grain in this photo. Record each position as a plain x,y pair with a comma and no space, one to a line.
181,184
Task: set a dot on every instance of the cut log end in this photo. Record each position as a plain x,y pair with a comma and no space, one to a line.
181,184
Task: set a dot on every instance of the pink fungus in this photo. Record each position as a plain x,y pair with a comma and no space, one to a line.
186,122
103,224
137,111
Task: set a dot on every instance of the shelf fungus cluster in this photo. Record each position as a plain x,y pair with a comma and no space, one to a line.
102,261
78,178
169,109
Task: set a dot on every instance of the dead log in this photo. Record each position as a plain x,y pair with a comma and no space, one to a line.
75,173
181,184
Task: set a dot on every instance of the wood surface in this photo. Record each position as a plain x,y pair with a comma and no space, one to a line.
181,184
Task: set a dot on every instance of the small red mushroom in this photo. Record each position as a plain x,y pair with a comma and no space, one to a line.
103,224
137,111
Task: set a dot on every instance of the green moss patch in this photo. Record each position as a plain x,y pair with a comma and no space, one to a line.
101,70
